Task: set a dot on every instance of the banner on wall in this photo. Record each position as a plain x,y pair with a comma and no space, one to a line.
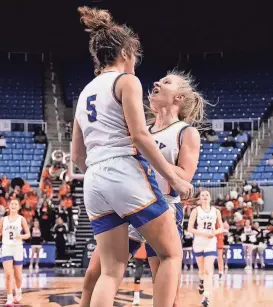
5,125
236,255
218,124
47,253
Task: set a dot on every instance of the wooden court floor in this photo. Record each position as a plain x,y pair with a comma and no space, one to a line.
63,288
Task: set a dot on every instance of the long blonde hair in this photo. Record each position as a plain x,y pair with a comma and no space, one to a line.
193,106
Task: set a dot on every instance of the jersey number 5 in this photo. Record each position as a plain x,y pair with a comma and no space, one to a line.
91,108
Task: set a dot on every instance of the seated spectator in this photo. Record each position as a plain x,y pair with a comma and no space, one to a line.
211,136
3,142
28,213
59,233
40,137
47,189
255,194
68,130
2,190
33,199
235,131
45,173
229,143
242,137
64,189
66,202
18,193
5,183
26,188
270,161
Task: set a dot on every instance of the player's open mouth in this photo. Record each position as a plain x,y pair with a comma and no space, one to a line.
155,91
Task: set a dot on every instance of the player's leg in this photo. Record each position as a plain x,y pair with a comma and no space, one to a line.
37,257
92,275
31,258
255,257
199,257
191,258
114,258
220,260
225,255
161,233
18,267
8,272
138,274
261,256
209,259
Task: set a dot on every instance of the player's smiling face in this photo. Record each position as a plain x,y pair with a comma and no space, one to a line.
205,197
14,206
165,92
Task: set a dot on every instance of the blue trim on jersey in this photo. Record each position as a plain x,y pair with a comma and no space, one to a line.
106,222
156,208
18,262
7,258
180,136
133,246
173,193
114,87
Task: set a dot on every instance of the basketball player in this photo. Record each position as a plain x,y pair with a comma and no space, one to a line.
120,187
179,144
11,227
36,244
204,244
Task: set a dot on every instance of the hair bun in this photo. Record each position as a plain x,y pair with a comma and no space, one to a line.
95,19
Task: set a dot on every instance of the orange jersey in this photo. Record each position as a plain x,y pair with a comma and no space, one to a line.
26,188
6,184
33,201
64,190
141,253
3,202
45,173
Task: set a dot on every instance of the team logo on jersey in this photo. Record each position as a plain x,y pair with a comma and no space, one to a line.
160,145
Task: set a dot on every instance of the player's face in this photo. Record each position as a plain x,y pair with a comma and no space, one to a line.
36,224
247,223
205,197
165,92
14,206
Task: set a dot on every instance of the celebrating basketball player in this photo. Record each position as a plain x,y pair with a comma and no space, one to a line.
205,242
11,228
109,132
176,106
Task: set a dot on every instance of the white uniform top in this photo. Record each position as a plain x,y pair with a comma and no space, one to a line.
100,116
10,230
206,221
169,142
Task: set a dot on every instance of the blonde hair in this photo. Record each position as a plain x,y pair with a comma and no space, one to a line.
193,106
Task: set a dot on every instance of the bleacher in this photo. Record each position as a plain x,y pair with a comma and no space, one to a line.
263,171
20,90
22,157
216,163
238,94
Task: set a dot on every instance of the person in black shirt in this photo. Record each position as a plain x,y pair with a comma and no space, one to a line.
60,231
259,245
229,143
36,241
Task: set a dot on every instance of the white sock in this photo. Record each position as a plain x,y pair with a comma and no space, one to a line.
18,291
136,296
10,297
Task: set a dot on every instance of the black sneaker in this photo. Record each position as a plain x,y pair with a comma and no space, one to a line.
220,276
201,286
205,302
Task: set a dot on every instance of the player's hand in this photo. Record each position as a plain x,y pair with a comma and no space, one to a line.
183,187
18,236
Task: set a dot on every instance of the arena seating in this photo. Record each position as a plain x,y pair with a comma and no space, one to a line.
20,90
263,171
22,157
238,95
217,163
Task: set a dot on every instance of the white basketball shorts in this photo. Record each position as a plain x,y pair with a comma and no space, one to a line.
204,247
13,252
122,190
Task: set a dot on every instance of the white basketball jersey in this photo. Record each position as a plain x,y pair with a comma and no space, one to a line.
100,116
206,221
169,143
10,230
